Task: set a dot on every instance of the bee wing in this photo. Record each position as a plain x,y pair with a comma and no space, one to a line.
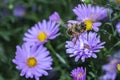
71,22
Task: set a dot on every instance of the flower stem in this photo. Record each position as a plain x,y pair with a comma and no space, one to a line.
62,60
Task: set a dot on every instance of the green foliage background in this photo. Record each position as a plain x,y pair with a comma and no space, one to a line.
12,30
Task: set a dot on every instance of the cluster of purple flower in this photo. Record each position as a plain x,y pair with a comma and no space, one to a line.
114,63
32,58
111,68
88,43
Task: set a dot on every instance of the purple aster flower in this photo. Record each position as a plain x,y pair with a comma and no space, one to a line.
41,32
85,46
118,28
90,15
19,10
79,73
111,68
108,76
54,17
33,61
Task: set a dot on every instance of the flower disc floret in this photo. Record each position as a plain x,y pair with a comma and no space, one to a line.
79,73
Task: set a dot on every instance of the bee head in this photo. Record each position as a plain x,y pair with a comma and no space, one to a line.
80,27
83,25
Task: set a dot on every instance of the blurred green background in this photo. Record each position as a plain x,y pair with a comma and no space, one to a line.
13,25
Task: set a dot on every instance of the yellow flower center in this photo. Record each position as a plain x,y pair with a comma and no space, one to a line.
79,75
118,1
118,67
42,36
31,62
88,24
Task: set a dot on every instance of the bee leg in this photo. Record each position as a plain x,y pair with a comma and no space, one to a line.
75,39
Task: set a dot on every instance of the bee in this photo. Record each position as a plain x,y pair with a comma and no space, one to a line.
75,28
